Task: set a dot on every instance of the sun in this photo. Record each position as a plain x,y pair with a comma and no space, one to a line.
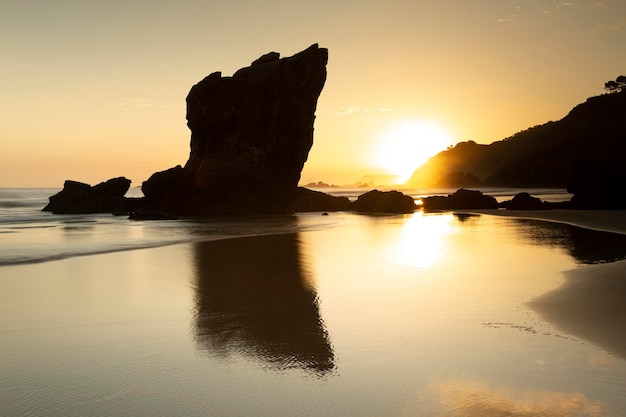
407,145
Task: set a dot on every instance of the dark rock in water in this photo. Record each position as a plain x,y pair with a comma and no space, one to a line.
384,202
524,201
461,199
250,137
310,200
597,185
80,198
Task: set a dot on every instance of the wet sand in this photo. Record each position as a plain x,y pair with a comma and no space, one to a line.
591,304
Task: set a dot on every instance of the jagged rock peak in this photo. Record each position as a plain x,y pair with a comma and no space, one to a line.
250,137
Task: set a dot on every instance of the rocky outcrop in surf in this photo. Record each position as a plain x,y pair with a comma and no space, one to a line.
80,198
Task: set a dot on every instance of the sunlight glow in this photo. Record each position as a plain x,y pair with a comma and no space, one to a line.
408,145
422,242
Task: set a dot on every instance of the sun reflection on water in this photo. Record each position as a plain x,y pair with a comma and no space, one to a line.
422,241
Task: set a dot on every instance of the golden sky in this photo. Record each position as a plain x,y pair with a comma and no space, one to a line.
92,90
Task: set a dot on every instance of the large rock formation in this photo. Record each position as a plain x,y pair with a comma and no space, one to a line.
250,137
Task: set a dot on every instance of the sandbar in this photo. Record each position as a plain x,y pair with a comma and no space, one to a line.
604,220
591,303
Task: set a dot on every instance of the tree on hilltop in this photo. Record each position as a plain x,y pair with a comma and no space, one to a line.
616,86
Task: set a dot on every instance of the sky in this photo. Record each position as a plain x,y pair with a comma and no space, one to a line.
91,90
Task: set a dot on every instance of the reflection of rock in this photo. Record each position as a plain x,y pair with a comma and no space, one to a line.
461,199
80,198
384,202
250,137
253,297
585,245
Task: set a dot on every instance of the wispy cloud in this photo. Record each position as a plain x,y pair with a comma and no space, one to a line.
352,110
144,103
135,103
345,111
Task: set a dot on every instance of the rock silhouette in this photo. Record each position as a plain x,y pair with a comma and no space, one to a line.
384,202
80,198
310,200
461,199
250,137
524,201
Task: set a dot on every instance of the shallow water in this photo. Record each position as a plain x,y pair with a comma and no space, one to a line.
307,315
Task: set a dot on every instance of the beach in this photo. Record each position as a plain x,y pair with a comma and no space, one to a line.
422,314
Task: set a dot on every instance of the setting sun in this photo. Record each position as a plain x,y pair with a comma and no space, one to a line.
407,145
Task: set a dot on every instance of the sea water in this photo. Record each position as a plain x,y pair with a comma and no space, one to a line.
308,315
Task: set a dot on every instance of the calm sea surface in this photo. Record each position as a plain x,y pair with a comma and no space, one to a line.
305,315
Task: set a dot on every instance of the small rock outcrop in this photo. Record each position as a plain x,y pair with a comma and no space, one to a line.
250,137
524,201
384,202
310,200
80,198
460,200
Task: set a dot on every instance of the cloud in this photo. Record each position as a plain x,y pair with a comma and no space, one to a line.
143,103
352,110
135,103
347,111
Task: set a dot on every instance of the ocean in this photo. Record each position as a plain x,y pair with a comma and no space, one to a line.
29,235
309,315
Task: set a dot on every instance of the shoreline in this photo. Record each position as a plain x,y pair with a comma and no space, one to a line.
602,220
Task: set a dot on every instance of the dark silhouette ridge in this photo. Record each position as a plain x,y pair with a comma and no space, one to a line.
460,180
253,296
541,156
250,137
597,185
